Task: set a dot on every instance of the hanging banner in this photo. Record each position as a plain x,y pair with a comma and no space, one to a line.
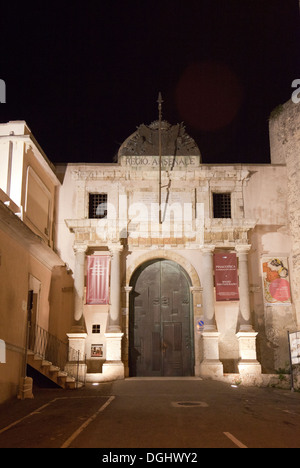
226,277
97,290
276,280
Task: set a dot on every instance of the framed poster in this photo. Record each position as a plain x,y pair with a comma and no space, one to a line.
97,350
276,282
226,276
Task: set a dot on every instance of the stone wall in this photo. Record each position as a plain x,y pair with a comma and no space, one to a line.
285,145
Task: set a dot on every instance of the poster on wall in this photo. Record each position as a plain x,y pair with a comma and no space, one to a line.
97,350
294,342
226,276
97,287
276,282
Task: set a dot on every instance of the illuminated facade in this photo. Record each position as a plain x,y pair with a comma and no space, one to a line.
156,265
202,287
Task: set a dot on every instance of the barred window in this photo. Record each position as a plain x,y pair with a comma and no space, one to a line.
222,205
96,328
97,205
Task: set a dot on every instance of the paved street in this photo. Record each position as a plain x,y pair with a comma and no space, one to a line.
153,414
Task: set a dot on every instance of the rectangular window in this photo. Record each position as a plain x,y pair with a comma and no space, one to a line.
96,328
222,205
97,205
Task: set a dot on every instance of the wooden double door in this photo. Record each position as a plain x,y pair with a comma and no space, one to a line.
160,326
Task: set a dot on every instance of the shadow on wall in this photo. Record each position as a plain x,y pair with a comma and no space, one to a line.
61,301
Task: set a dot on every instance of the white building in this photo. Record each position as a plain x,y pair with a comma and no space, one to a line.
207,285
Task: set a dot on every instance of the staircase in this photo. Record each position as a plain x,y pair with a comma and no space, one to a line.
54,373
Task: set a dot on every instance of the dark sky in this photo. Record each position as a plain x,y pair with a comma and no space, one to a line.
84,75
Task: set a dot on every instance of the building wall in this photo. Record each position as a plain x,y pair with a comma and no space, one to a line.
27,257
19,268
284,145
13,270
259,216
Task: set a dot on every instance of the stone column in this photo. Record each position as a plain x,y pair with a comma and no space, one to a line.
208,295
115,289
78,334
244,291
211,365
79,273
248,365
113,368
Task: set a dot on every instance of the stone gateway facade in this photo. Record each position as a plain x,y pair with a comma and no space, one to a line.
183,268
155,265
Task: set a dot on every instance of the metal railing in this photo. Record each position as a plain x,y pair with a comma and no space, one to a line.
60,354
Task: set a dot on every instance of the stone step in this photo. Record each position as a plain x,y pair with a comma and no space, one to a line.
51,371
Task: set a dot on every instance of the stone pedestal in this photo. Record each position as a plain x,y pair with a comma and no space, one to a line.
76,364
25,390
76,344
113,366
248,363
211,365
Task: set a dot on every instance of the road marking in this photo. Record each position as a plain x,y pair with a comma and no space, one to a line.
25,417
234,440
75,434
38,410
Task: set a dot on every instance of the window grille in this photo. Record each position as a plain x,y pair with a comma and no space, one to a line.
222,205
97,205
96,328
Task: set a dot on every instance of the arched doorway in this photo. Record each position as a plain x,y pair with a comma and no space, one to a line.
160,324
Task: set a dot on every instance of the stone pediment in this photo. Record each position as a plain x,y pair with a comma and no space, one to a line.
145,142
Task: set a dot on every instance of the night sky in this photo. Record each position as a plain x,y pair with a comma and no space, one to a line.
85,75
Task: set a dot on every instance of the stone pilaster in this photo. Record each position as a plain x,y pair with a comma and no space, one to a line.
210,366
79,272
115,289
248,364
208,295
77,335
245,324
113,367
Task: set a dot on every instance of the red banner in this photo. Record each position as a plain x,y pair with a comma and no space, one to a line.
226,277
97,291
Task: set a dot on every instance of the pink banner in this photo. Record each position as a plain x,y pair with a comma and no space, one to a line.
97,291
226,277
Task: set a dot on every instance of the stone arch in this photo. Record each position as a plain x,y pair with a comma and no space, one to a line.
167,255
